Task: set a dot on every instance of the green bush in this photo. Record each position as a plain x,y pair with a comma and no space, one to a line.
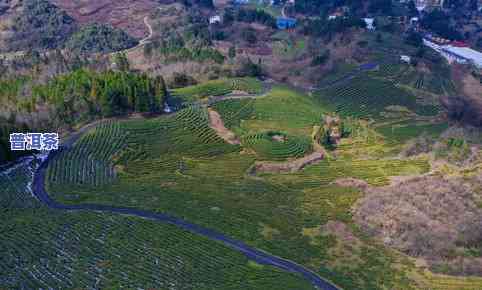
99,38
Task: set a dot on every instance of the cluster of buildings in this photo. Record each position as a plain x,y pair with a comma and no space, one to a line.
454,51
428,4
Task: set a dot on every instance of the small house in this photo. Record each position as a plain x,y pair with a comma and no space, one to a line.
405,58
285,22
414,21
335,15
215,19
370,23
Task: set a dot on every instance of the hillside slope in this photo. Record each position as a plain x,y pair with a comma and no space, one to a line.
124,14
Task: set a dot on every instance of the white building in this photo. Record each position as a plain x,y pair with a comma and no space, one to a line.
215,19
428,4
369,22
458,54
405,58
462,55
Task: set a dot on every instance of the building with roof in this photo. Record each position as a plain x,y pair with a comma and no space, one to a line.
463,55
370,23
428,4
215,19
285,22
457,52
405,59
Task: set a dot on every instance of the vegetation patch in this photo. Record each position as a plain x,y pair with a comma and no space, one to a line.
216,88
95,38
273,145
432,217
365,97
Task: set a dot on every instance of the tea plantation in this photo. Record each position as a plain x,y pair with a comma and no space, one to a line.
177,164
44,248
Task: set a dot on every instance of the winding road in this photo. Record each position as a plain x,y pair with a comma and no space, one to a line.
251,253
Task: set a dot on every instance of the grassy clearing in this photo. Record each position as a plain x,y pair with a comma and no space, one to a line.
285,110
216,88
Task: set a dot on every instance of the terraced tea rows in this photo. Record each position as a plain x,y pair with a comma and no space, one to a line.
42,248
177,165
233,111
277,145
92,251
403,131
375,172
367,97
434,83
91,160
390,70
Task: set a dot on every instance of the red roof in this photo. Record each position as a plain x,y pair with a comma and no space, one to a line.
459,44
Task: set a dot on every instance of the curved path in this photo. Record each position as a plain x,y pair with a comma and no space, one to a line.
251,253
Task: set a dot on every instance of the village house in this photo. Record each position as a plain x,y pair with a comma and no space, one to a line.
285,22
405,58
455,52
370,23
215,19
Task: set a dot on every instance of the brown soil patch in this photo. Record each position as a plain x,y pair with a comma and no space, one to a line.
432,217
216,122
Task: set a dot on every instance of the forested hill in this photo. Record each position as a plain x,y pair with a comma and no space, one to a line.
99,38
40,25
77,97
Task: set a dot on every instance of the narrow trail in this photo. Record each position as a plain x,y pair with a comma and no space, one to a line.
142,42
259,256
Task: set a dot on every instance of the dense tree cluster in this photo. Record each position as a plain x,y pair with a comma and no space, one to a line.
99,38
357,7
249,15
41,25
175,49
84,94
327,28
440,23
107,93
